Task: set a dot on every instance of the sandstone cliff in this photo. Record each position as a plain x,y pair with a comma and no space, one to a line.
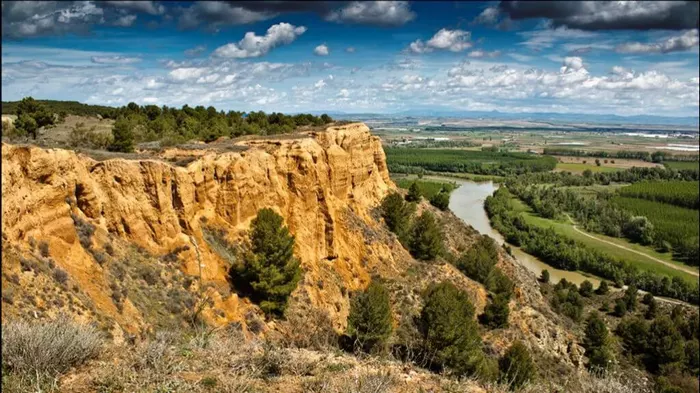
96,220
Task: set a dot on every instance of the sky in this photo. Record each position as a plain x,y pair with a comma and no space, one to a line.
590,57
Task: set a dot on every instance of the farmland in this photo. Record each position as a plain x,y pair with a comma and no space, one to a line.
679,193
410,160
428,188
581,167
680,165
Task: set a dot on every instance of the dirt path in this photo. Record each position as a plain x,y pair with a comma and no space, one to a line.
671,265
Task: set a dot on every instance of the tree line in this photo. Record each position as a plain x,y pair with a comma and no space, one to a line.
567,254
657,156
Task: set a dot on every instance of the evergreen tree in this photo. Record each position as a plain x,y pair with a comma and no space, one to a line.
633,331
369,321
516,366
499,283
630,297
664,342
692,355
269,271
441,200
544,277
26,124
397,215
602,288
123,136
647,298
586,289
477,262
620,308
496,313
652,309
448,328
426,239
596,342
413,193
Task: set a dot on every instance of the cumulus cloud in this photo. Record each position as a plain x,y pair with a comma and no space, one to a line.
608,15
380,13
481,53
147,7
445,39
215,14
321,50
253,45
196,51
35,19
684,42
125,21
114,59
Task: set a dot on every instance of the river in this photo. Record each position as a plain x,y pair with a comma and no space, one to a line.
467,203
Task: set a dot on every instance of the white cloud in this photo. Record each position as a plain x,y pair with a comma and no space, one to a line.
321,50
383,13
114,59
196,51
445,39
482,53
684,42
253,45
344,93
350,49
546,38
125,21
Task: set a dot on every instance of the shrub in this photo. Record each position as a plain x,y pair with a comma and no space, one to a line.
586,289
633,331
648,298
665,343
479,260
602,288
449,330
496,313
620,308
426,238
516,366
44,249
369,322
544,277
567,301
652,309
596,343
413,193
269,271
499,283
123,136
60,276
397,215
630,297
44,350
441,200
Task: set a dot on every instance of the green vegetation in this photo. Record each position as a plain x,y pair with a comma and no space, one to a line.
563,252
597,343
31,115
68,107
425,187
426,237
576,167
369,321
516,366
414,193
268,272
441,200
449,330
397,215
544,276
478,262
567,301
680,165
679,193
657,156
409,160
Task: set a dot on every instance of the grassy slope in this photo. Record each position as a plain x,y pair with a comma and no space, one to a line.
568,230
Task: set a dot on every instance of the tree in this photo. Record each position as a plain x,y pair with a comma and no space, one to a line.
620,308
516,366
664,342
692,355
586,289
26,125
369,321
123,136
597,162
647,298
499,283
477,262
596,342
544,277
326,119
269,271
639,229
441,200
496,313
426,239
397,215
449,330
587,173
630,297
652,309
413,193
633,331
602,288
31,115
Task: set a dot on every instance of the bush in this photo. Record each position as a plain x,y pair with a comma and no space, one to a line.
652,309
477,262
123,136
544,277
369,321
426,238
665,343
449,330
60,276
630,297
413,193
586,289
648,298
596,343
633,331
620,308
567,301
397,215
45,350
499,283
516,366
602,288
269,272
441,200
496,313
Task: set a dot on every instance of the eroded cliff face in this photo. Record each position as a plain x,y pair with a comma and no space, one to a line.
64,211
313,181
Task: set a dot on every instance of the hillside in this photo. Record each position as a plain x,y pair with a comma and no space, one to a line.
142,247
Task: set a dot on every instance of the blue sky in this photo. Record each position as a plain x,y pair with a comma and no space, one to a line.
577,57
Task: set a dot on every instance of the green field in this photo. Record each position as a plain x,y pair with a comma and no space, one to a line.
411,160
679,193
578,168
428,188
565,228
679,165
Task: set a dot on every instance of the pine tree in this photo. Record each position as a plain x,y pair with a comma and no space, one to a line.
516,366
441,200
620,308
602,288
665,343
123,136
369,321
630,297
269,271
596,342
426,239
586,289
397,215
496,313
544,277
448,328
477,262
652,309
413,193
